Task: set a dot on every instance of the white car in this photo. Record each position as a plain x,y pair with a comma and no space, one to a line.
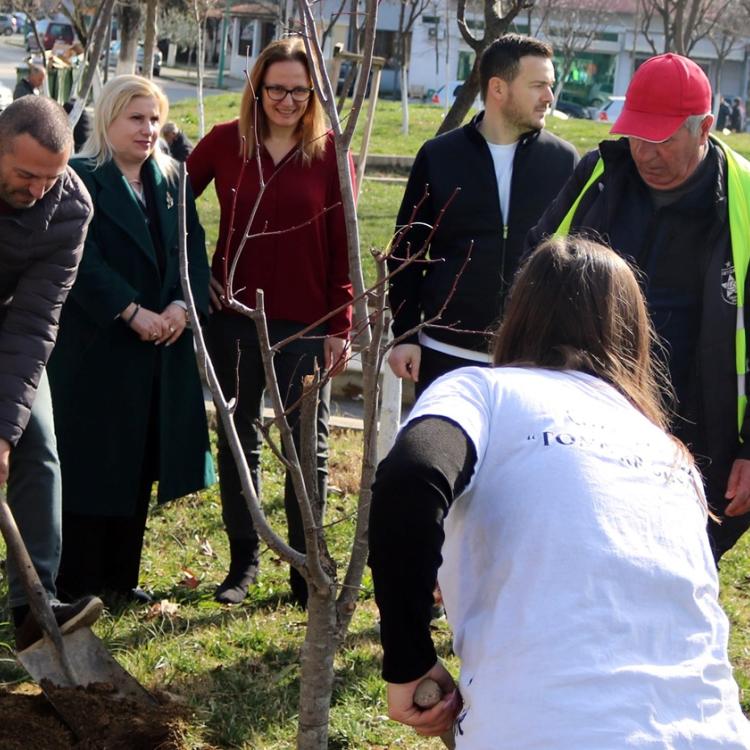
611,110
452,90
114,51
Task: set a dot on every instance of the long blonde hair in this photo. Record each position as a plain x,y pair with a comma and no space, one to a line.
311,128
114,98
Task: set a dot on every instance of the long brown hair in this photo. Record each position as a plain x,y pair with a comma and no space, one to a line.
312,126
576,305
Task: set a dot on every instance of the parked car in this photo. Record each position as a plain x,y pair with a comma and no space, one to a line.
51,31
114,53
8,24
611,110
451,90
573,109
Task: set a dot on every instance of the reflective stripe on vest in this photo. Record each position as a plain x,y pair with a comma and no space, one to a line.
738,200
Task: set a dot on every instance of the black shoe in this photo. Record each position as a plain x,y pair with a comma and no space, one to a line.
139,596
243,571
233,589
69,617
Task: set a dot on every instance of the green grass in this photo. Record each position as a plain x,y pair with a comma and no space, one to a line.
238,667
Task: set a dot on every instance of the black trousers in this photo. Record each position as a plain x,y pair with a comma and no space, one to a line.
433,364
235,353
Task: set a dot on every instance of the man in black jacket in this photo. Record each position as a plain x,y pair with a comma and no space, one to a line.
44,214
30,85
674,201
494,177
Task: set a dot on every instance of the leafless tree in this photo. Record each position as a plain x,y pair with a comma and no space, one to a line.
409,12
727,35
571,26
149,39
683,23
332,598
497,19
129,17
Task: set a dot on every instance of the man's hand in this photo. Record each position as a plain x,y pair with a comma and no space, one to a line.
431,721
176,318
334,352
216,293
4,460
738,488
404,360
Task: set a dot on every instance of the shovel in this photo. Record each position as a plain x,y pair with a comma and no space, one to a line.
76,659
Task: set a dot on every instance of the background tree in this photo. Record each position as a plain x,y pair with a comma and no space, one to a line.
129,22
149,39
682,22
571,26
497,19
409,12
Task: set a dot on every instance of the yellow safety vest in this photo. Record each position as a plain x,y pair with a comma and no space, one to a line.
738,198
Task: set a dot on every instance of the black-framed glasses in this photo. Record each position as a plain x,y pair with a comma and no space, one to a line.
278,93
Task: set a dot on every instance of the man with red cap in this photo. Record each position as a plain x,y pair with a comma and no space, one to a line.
676,202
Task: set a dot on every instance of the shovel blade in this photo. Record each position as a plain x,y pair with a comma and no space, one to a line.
91,663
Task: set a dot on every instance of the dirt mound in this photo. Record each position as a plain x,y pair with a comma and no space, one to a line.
96,719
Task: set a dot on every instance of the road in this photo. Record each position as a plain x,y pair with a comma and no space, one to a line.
12,54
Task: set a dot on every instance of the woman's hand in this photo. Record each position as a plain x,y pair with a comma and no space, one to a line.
176,319
148,325
430,721
216,293
334,352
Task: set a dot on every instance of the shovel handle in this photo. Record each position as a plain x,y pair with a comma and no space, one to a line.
35,593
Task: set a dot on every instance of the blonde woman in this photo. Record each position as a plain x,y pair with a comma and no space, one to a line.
128,402
299,261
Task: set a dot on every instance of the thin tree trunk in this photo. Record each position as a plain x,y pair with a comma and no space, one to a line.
316,671
201,73
149,42
404,100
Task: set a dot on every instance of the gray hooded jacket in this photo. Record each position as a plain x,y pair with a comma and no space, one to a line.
40,248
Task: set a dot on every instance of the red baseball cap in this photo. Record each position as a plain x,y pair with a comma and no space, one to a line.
663,93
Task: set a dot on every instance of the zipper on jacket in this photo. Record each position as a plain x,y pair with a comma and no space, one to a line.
503,282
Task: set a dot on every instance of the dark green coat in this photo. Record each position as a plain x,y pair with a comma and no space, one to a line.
102,374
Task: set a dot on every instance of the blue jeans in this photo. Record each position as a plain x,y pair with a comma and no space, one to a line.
35,496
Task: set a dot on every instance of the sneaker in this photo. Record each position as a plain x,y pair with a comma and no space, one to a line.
82,613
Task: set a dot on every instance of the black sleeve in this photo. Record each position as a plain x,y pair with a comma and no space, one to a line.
404,287
429,465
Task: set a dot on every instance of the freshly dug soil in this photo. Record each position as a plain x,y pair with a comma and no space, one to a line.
100,721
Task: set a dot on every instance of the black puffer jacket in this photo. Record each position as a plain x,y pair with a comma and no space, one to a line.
461,161
40,248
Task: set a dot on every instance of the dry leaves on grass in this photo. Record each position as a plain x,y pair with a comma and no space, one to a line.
164,608
189,579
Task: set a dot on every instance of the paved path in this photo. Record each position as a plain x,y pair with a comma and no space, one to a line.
177,83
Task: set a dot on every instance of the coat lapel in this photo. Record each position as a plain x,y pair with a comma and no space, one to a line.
117,201
165,193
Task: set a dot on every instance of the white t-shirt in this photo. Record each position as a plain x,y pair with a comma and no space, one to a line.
577,575
502,156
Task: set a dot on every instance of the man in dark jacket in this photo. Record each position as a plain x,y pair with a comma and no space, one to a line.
675,202
30,85
481,187
44,213
178,143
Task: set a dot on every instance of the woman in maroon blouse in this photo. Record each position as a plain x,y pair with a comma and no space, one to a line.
297,255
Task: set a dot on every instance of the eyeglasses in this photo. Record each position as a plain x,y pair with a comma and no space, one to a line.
278,93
